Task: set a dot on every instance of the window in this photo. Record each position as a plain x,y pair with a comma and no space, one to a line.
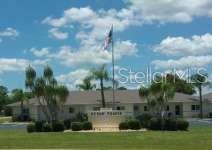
195,107
145,108
120,108
71,110
167,108
136,108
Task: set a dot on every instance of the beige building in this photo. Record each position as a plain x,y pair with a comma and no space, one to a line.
128,101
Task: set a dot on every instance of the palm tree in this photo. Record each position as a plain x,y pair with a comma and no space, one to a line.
200,80
101,74
50,95
163,92
62,94
86,84
145,92
30,78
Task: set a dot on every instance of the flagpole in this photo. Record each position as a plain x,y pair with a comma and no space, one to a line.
113,70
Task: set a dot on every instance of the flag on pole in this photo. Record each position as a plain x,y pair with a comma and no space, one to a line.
108,39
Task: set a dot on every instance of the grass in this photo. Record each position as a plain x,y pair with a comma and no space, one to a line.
5,119
196,138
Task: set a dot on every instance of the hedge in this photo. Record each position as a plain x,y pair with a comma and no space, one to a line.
168,124
123,126
58,127
31,128
76,126
182,124
132,124
46,127
144,119
87,125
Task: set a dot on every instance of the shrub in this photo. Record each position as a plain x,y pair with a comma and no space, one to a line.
144,119
134,124
46,127
210,115
67,123
39,126
76,126
170,124
87,125
8,111
58,127
155,124
123,126
182,124
80,117
31,128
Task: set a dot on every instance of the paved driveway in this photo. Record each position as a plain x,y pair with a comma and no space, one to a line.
14,125
197,121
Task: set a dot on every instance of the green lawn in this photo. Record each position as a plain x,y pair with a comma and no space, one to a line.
197,138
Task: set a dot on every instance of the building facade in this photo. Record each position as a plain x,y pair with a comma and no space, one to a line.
128,101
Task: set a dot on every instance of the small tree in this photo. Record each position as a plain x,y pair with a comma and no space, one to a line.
49,94
144,92
101,74
158,94
86,85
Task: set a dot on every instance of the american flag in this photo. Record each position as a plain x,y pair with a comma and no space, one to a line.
108,39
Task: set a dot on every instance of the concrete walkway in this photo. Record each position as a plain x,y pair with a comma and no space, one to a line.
197,121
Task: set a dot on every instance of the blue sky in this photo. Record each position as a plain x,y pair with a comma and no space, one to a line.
68,35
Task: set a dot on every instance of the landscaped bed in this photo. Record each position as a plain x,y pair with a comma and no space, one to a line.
196,138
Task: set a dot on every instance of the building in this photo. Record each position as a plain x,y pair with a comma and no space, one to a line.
182,105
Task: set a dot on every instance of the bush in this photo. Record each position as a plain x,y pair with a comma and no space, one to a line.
210,115
67,123
144,119
134,125
8,111
58,127
87,125
46,127
182,124
123,126
76,126
170,125
31,128
39,126
80,117
155,124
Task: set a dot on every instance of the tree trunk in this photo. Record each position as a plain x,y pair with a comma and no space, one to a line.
201,103
22,107
102,93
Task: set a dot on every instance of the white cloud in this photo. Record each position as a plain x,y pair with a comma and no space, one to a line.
55,33
9,33
195,45
73,78
164,11
43,52
94,55
136,12
184,62
14,64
